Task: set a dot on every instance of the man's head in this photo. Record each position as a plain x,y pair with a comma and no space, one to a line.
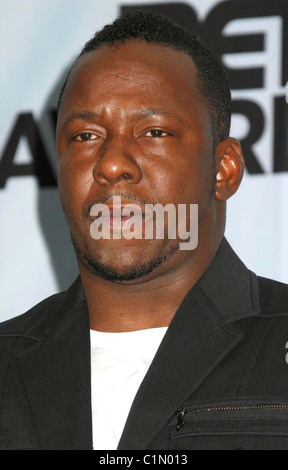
145,115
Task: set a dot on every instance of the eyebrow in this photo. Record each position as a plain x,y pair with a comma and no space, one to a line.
148,112
79,115
88,116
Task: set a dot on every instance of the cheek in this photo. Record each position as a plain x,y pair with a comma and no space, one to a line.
198,172
188,181
74,183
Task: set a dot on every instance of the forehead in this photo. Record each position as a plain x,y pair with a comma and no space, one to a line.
135,61
133,75
140,53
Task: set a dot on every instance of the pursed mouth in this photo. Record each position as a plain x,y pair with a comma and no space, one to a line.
120,208
120,218
122,222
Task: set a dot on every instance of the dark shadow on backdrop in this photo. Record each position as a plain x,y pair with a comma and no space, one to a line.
51,217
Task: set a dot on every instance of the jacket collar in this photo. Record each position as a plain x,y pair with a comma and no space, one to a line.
231,287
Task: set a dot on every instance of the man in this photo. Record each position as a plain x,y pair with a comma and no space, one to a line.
156,345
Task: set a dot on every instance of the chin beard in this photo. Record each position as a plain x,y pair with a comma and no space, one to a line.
113,274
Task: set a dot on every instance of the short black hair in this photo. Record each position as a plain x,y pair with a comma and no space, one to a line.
213,81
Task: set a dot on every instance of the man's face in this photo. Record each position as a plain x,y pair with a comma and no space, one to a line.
134,124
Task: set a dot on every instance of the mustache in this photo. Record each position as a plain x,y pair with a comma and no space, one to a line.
133,198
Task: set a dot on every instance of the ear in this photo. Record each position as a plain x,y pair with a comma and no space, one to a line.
229,168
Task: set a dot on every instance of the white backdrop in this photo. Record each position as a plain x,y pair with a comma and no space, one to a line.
39,40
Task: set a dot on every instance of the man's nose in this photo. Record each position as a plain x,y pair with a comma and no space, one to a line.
116,164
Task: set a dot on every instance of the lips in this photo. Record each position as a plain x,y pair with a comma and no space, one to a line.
123,216
117,217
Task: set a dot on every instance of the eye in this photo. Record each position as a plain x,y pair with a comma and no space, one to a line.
156,133
85,137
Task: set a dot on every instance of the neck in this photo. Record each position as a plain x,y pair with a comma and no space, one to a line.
148,303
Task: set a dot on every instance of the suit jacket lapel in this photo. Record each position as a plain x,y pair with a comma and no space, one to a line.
201,334
53,374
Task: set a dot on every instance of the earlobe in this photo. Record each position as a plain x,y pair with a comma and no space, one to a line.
229,168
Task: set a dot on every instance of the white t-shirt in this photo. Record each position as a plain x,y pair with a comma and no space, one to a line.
119,362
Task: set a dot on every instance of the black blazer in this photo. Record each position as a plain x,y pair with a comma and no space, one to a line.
218,381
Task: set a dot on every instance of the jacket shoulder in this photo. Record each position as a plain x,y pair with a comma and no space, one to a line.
273,297
22,323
